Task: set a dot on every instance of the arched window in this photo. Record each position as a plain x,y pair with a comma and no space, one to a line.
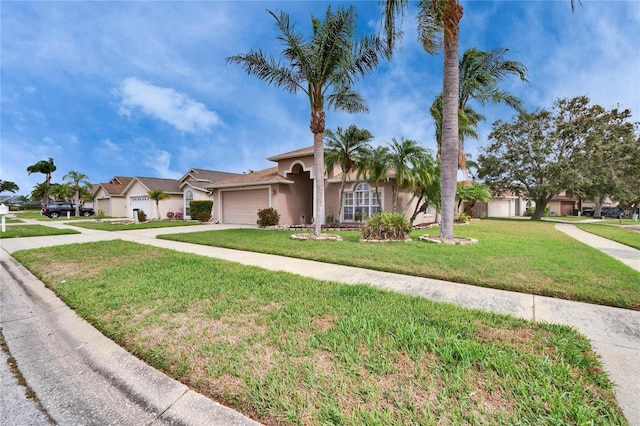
188,197
361,203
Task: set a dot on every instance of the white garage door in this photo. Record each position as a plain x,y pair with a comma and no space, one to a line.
142,202
241,207
500,208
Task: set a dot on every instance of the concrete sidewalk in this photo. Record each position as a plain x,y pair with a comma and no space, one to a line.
614,333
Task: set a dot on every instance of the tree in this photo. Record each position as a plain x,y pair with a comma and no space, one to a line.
426,186
158,195
607,158
40,192
324,68
472,192
77,179
45,167
8,186
61,191
544,153
347,149
374,168
439,26
404,156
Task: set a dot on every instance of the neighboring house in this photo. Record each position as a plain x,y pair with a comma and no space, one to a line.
110,198
562,205
289,188
194,185
137,196
503,205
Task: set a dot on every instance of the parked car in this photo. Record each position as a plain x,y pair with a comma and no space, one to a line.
613,212
55,210
588,212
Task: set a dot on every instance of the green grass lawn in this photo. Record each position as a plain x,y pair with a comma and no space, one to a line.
524,256
620,234
290,350
17,231
115,226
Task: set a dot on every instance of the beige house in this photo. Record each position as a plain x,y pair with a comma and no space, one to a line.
137,196
110,198
289,188
194,185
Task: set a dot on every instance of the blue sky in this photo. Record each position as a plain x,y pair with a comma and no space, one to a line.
142,89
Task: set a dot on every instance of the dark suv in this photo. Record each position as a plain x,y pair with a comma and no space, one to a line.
55,210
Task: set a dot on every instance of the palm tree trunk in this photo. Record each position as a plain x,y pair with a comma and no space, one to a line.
449,170
318,156
341,195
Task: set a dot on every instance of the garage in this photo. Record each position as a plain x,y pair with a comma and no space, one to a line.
241,207
141,202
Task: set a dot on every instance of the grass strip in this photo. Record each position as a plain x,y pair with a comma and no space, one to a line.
524,256
622,235
289,350
18,231
115,226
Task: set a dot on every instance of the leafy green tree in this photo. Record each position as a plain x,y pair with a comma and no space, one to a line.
158,195
39,192
8,186
78,180
544,153
347,149
438,27
46,167
374,167
426,186
471,193
324,68
404,155
61,191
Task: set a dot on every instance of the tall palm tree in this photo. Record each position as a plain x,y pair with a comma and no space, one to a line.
77,179
324,68
403,157
374,168
158,195
468,120
439,27
347,149
45,167
61,191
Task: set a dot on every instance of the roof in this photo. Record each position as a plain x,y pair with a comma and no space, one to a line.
266,176
293,154
202,178
169,186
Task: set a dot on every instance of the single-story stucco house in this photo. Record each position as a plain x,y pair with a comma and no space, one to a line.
289,188
110,198
194,185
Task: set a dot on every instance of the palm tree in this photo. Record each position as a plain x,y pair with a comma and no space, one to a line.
158,195
61,191
426,186
439,27
347,149
467,123
77,179
332,60
403,157
374,167
8,186
472,192
45,167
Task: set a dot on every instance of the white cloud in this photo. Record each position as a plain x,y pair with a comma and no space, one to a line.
166,104
159,160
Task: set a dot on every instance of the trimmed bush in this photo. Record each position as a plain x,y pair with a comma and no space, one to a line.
204,216
142,216
386,226
198,206
268,217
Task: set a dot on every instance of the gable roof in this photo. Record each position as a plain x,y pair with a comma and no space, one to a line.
261,177
115,186
169,186
293,154
202,178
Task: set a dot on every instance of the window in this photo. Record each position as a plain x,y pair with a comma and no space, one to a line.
188,197
361,203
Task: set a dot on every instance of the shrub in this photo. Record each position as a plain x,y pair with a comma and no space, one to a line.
204,216
170,215
100,214
386,226
268,217
178,216
198,206
530,210
461,218
142,216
